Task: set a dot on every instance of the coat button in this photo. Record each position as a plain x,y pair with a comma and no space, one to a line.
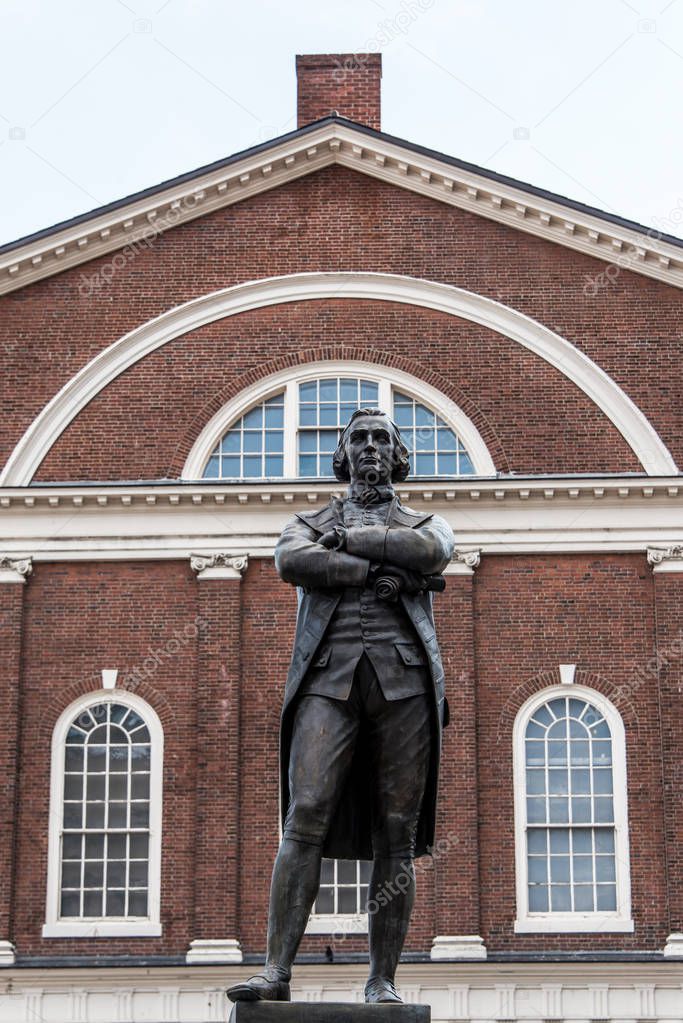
307,654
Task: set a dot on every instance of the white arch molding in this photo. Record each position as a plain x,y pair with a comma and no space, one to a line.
560,353
293,375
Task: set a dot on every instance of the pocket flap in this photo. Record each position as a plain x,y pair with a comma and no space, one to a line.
323,656
411,654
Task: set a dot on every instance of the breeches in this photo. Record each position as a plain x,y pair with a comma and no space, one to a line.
324,737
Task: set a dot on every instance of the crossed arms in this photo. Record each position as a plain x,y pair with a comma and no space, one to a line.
303,560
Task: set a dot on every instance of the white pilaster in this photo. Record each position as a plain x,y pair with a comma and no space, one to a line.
218,566
463,563
7,957
666,559
214,950
14,570
458,946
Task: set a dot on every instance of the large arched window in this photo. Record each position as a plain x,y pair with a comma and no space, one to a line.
105,819
571,814
287,427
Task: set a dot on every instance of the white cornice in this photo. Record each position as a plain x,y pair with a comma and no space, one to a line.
108,364
333,143
493,516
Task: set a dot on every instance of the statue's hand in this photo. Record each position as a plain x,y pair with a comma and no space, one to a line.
334,539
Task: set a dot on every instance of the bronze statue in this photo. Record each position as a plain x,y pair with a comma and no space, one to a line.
364,702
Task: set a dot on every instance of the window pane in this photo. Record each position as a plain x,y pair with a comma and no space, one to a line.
73,786
139,846
347,871
137,904
116,902
243,446
70,904
71,875
116,874
348,900
538,840
583,899
92,903
538,899
73,815
607,897
94,847
71,847
425,465
325,901
560,898
253,419
93,874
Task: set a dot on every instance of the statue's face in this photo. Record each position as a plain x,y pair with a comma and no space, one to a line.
370,450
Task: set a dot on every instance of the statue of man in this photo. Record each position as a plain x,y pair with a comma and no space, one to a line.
364,703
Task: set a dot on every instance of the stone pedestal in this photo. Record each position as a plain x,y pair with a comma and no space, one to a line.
328,1012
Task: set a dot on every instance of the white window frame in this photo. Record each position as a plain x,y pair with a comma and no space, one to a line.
149,926
620,920
289,379
337,923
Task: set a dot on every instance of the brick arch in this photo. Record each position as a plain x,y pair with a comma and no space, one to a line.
546,679
92,685
338,353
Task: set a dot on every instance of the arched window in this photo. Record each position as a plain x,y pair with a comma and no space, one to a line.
288,426
572,833
105,820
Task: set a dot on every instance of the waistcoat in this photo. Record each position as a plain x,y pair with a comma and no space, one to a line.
363,624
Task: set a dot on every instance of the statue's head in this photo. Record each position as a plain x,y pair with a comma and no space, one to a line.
370,449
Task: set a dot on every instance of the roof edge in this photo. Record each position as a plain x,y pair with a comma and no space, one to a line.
335,139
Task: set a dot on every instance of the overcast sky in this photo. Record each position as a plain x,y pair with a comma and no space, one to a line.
101,98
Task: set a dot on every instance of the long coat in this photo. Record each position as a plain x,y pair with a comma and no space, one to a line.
305,563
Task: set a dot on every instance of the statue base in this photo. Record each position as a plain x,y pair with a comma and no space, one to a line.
329,1012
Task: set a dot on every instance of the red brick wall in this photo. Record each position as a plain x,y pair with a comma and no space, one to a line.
346,83
530,614
80,618
337,219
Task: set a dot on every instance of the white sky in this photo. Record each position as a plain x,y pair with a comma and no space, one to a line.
101,98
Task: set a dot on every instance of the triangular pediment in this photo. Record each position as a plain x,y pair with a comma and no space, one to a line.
337,141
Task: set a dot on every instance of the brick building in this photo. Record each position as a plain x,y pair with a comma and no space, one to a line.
175,367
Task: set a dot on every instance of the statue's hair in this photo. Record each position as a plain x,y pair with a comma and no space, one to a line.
399,456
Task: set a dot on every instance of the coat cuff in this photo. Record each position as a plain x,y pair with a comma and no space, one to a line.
346,570
367,542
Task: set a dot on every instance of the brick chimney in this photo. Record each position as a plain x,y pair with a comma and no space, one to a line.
348,83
